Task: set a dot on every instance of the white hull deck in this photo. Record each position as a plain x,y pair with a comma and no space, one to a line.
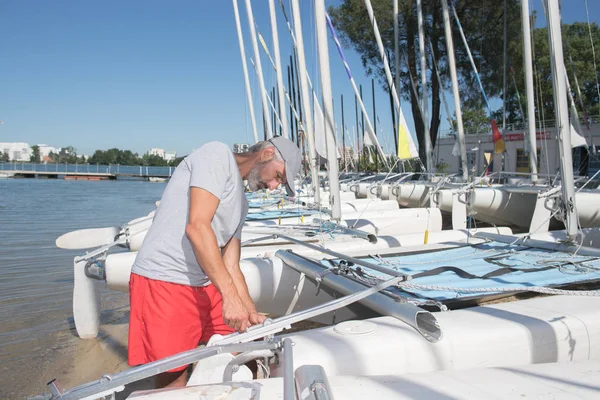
543,381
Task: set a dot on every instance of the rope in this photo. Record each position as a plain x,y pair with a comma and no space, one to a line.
537,289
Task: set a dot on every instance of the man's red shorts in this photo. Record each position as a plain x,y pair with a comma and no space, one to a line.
167,318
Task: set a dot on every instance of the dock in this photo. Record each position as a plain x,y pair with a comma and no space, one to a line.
90,172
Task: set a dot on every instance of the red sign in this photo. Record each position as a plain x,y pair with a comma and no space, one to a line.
510,137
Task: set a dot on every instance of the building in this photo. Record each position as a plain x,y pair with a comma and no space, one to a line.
157,152
165,155
480,153
240,147
170,155
45,150
17,151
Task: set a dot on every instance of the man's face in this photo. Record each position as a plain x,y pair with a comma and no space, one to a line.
266,175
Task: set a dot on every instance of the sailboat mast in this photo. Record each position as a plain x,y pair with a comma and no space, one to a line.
529,86
279,73
562,118
261,81
307,122
344,136
374,121
505,63
323,50
424,95
457,110
396,51
357,134
238,25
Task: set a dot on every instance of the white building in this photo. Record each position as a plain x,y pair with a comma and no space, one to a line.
165,155
157,152
480,149
18,151
45,150
170,155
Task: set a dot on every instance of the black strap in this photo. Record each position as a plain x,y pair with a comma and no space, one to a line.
466,275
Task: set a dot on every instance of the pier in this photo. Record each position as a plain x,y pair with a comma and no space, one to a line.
83,171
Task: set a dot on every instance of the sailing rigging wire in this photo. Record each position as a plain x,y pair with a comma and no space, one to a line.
537,289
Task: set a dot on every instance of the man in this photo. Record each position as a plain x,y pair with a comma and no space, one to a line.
186,283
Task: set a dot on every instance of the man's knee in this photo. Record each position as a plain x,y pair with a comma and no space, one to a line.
171,379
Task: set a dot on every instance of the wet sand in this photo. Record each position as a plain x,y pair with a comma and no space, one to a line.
88,360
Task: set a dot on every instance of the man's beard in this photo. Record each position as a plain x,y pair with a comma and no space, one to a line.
253,179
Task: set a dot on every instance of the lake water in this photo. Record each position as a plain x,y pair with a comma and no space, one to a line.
36,278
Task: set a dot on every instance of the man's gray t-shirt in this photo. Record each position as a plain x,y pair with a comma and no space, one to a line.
167,254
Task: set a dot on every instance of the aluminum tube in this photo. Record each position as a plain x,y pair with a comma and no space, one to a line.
396,50
259,72
245,69
554,246
424,94
390,272
157,367
312,383
452,63
333,171
360,234
307,123
421,320
280,88
529,86
288,370
243,358
562,118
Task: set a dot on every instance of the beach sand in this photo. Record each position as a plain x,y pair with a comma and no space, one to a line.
88,360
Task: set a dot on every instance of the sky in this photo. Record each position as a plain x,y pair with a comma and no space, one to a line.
144,74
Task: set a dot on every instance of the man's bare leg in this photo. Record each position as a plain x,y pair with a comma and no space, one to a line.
171,379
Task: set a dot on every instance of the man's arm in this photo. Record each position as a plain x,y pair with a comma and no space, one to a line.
203,206
231,257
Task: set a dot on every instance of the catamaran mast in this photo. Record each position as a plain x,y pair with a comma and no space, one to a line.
261,82
280,87
453,76
307,122
245,68
562,118
323,49
505,63
396,48
529,85
424,96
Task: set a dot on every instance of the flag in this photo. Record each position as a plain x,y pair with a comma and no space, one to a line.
498,141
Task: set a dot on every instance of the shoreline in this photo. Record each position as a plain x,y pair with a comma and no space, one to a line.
88,360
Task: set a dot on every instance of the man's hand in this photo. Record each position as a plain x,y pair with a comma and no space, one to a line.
235,315
256,318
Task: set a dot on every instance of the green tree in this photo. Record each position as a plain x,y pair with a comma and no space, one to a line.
4,157
115,156
65,155
475,120
153,160
483,24
35,154
176,161
577,47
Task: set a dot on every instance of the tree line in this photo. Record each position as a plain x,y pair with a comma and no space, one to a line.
104,157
